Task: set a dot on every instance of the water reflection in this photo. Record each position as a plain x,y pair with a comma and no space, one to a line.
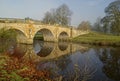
111,60
49,50
72,62
62,46
93,64
17,51
69,68
46,49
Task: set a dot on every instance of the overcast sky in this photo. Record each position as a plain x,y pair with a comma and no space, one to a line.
83,10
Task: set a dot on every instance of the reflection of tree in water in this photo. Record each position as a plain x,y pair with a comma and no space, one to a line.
55,65
63,62
111,61
63,69
82,71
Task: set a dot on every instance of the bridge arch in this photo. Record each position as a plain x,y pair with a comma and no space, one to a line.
63,36
47,34
18,28
21,37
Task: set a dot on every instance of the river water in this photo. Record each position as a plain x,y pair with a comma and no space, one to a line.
72,62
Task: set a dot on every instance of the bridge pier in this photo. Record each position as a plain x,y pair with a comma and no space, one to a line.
25,41
29,41
55,40
50,39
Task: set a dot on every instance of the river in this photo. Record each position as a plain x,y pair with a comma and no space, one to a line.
72,62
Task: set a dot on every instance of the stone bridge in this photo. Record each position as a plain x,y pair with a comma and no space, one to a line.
27,31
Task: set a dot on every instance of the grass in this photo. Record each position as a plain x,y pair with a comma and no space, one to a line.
39,37
95,38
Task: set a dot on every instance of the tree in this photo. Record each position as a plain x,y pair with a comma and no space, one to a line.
97,26
47,19
112,19
84,25
27,19
61,16
50,17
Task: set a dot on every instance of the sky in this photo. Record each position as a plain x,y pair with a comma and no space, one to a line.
83,10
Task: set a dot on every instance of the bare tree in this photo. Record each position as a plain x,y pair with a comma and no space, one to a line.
97,26
47,19
84,25
61,16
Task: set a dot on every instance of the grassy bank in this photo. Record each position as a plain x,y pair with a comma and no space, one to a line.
39,37
94,38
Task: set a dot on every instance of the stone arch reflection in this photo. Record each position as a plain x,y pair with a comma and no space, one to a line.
62,46
44,49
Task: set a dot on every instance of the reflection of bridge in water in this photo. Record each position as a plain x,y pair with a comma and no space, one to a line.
49,50
52,50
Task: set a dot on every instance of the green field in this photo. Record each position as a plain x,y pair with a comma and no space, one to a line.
98,39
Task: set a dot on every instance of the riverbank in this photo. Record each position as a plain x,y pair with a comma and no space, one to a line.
101,39
14,69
